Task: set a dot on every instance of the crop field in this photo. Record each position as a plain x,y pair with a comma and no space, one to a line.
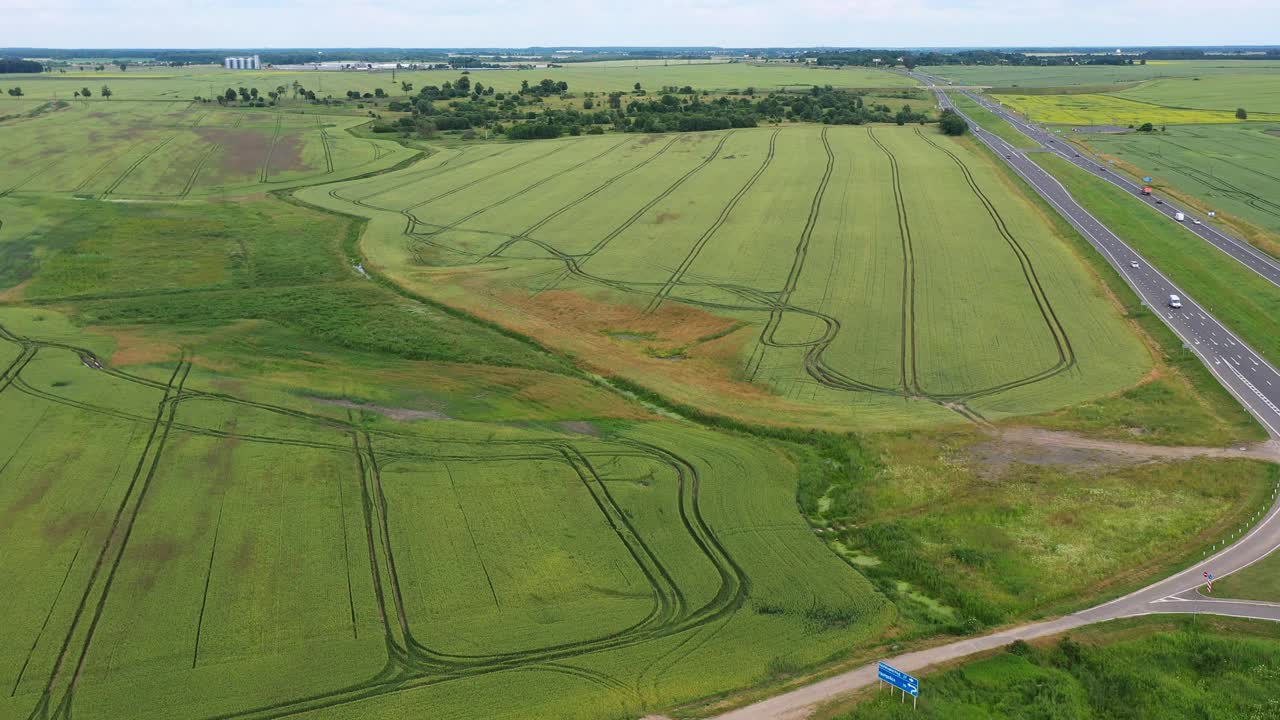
1253,92
184,84
1102,109
1230,168
874,273
1093,75
177,150
226,556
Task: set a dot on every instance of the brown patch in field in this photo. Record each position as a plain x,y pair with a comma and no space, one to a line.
287,154
32,497
579,427
666,217
1273,131
395,413
154,554
243,151
243,559
158,551
219,461
61,528
15,293
134,347
574,322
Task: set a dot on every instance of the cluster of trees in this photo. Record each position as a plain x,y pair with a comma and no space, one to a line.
85,92
250,96
524,115
952,124
547,88
15,91
18,65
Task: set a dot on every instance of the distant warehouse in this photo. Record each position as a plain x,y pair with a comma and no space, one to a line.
242,63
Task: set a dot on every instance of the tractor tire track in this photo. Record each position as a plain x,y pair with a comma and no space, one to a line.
118,538
907,346
135,164
575,266
525,235
265,171
1062,343
706,236
195,173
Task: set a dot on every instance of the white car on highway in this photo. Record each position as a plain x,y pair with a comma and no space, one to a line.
1175,302
1133,264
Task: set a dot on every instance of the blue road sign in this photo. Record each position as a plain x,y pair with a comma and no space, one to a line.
1146,179
899,679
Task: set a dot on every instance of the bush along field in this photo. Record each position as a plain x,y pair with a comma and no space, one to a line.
1202,667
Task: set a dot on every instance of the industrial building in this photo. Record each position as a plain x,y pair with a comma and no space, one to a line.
242,63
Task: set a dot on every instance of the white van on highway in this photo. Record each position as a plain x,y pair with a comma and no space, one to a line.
1179,217
1175,302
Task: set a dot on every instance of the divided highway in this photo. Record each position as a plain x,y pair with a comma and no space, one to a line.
1244,253
1245,373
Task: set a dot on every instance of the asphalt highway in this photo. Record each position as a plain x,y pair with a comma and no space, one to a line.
1253,381
1243,371
1201,226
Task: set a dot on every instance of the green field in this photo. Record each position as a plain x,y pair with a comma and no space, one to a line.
288,487
1243,300
838,274
1232,169
1255,92
1145,668
186,83
1102,109
177,150
1066,76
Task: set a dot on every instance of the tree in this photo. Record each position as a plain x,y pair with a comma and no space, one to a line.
1146,127
1241,114
84,92
952,124
406,87
105,92
253,93
123,66
230,95
16,91
588,104
76,94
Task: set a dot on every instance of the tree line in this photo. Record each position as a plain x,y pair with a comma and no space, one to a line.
523,115
18,65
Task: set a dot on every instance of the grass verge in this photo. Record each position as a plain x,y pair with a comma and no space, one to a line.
1185,667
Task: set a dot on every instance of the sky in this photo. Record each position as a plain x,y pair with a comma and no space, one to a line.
728,23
